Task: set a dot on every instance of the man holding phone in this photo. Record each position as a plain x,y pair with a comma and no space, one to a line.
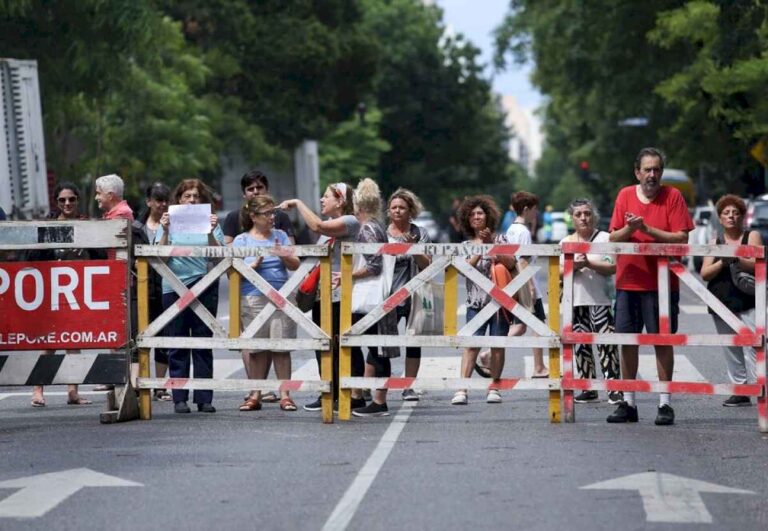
647,212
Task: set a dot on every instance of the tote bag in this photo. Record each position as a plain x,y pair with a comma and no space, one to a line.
427,306
369,292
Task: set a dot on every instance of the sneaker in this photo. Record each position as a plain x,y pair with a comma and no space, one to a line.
623,413
181,407
355,403
409,395
372,410
614,397
585,397
493,397
317,405
737,401
460,399
665,416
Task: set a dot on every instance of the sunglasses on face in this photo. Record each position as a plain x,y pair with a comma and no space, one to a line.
63,200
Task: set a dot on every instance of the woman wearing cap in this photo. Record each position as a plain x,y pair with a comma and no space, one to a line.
336,204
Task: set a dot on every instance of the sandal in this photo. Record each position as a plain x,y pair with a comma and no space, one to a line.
270,397
460,399
38,402
162,395
251,404
78,401
287,404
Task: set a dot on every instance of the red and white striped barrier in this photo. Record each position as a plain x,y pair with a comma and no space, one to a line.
743,335
452,384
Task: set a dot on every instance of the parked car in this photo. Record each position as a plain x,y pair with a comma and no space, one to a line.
426,221
559,229
759,218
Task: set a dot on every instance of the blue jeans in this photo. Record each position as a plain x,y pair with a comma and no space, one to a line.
188,324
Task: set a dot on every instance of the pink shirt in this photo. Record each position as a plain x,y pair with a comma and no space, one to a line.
668,212
120,211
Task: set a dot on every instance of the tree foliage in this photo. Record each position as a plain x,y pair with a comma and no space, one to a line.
696,70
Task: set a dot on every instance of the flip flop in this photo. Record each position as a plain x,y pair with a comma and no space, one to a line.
270,397
38,402
540,376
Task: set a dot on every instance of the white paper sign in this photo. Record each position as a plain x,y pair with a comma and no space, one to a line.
190,219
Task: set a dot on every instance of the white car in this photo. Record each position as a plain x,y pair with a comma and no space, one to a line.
706,227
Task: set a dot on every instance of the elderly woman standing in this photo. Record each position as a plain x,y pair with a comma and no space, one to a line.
189,270
591,299
479,216
741,362
257,217
404,207
337,204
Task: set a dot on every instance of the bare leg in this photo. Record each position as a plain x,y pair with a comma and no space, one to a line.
412,367
259,370
282,361
665,362
161,369
629,362
539,369
497,362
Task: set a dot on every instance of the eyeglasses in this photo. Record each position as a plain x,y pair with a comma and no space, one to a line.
62,200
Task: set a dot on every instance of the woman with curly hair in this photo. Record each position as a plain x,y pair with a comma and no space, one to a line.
479,217
190,270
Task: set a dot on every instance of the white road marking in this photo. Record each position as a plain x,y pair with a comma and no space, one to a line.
669,498
43,492
347,506
307,371
224,368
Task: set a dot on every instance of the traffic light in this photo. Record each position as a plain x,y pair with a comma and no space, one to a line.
584,170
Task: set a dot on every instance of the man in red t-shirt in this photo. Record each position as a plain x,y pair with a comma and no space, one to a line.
644,213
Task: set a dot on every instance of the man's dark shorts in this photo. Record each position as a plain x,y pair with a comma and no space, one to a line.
635,309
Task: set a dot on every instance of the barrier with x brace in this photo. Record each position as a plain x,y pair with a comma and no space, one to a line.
231,262
452,258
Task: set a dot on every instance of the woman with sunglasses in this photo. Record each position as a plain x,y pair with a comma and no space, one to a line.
257,217
68,202
337,205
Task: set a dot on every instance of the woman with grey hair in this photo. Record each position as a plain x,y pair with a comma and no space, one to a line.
591,300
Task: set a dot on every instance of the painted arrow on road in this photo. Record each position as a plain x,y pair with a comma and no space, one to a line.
41,493
669,498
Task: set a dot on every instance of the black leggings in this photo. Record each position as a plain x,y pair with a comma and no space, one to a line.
404,311
358,365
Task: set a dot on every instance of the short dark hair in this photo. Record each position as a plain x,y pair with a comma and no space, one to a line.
520,200
486,202
731,200
650,152
253,176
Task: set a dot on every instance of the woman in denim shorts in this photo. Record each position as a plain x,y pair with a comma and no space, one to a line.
479,217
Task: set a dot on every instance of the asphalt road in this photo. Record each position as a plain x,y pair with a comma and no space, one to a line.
427,466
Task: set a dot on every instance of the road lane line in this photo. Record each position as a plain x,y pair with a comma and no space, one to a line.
347,506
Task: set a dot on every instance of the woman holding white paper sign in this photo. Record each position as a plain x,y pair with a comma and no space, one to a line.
257,217
405,206
190,270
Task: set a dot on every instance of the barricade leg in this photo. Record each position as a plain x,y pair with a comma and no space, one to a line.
554,324
345,323
450,306
326,323
145,398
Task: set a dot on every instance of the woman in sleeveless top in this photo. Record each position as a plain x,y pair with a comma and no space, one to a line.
740,361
